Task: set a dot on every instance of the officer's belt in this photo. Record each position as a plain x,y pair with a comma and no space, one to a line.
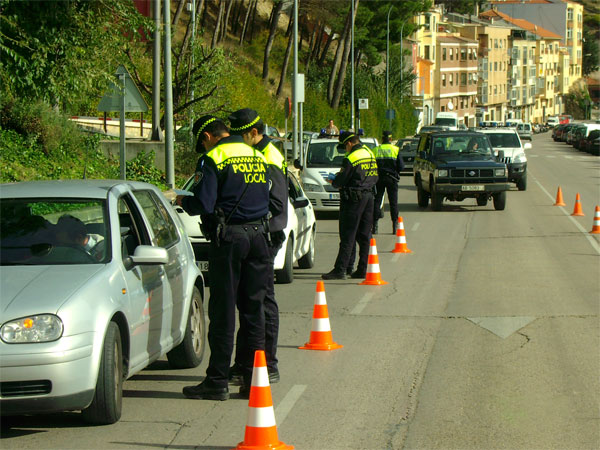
245,222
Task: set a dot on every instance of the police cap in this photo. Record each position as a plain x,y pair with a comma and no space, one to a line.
243,120
387,134
201,123
345,136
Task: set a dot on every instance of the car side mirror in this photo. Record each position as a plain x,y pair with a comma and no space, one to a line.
500,156
297,164
300,202
147,255
527,146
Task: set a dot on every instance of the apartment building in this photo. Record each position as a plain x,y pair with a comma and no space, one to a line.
455,87
424,43
560,17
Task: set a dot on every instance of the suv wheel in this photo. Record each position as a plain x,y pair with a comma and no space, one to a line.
522,183
500,201
436,200
422,196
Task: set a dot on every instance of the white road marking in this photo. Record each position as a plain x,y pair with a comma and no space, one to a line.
288,402
550,156
396,257
362,303
415,227
585,232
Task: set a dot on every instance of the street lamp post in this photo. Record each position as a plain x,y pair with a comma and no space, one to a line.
387,69
352,67
401,59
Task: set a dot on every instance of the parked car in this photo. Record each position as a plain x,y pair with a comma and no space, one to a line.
78,320
591,143
581,132
508,141
430,128
408,150
552,121
562,135
556,131
571,134
525,131
449,166
300,232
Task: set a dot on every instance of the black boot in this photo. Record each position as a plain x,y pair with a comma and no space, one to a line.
394,226
334,275
206,392
375,227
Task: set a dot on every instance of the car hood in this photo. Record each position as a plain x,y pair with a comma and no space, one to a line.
40,289
465,161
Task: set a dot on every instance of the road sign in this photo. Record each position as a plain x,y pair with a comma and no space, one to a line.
134,102
363,103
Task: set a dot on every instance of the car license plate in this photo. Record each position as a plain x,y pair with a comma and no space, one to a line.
335,196
472,187
202,265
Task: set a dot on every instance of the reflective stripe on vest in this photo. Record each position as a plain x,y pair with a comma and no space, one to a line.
274,157
360,155
386,151
236,153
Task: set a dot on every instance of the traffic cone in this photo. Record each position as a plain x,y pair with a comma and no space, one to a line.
320,335
596,227
577,211
400,239
261,430
559,198
373,274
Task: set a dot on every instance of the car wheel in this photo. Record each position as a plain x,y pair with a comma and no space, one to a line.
522,183
422,196
108,397
436,200
308,260
500,201
286,274
189,353
482,200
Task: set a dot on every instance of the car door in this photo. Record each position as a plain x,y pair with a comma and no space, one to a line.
164,234
143,286
300,204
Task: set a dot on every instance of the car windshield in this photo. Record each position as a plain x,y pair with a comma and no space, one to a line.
445,121
504,140
324,154
53,231
461,145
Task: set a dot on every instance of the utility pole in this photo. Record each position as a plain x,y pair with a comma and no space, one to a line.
156,131
169,157
295,85
352,67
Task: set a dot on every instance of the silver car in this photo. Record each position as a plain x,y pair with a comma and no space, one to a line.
98,281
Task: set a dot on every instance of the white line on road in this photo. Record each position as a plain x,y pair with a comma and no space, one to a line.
396,257
362,303
415,226
592,241
288,402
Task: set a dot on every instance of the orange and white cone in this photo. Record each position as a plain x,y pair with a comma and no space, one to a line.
373,273
559,198
577,211
400,239
320,334
596,227
261,429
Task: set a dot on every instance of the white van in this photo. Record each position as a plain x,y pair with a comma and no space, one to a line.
447,119
321,157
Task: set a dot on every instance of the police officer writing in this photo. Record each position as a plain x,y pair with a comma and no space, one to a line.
232,197
389,166
248,124
355,180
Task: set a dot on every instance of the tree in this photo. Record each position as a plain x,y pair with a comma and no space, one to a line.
591,34
275,14
63,53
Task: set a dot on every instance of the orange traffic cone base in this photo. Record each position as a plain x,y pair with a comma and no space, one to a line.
398,249
325,346
279,446
374,281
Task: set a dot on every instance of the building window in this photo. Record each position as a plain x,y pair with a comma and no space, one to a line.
495,89
426,52
471,51
463,79
570,14
451,79
495,43
443,54
495,66
451,54
444,79
569,34
463,54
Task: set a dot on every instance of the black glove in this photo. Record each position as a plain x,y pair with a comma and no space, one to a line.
277,238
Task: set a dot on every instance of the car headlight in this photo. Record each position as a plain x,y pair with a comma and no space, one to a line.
500,172
309,187
442,173
42,328
520,158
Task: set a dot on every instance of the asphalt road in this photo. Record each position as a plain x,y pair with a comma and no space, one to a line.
485,337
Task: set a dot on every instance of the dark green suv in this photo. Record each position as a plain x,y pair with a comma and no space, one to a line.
455,165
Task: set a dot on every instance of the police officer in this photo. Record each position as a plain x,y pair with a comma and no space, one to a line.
389,166
355,180
232,197
248,124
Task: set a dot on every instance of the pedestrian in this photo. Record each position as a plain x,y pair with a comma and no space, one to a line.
248,124
389,166
232,197
331,129
355,180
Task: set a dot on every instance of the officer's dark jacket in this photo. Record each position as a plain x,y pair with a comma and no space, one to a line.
222,177
278,199
359,170
389,160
